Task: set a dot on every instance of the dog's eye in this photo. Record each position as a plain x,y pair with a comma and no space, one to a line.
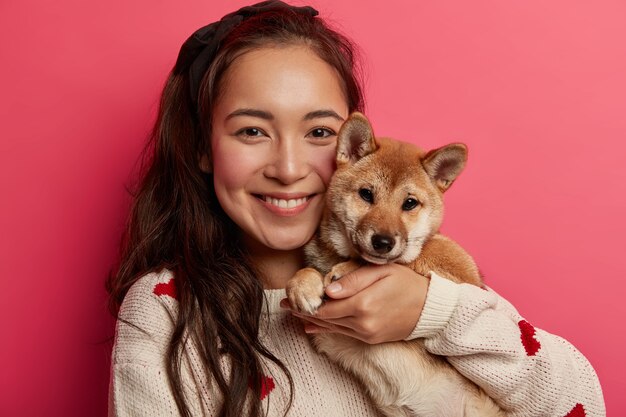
366,195
409,204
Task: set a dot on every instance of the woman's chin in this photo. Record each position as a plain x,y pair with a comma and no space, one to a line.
287,241
283,241
286,244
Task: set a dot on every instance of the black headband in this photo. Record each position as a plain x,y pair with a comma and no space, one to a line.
200,48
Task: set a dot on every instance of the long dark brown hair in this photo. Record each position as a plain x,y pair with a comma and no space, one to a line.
177,223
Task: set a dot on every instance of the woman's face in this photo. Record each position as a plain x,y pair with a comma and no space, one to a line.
273,143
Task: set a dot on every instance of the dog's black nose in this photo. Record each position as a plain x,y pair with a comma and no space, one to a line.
383,243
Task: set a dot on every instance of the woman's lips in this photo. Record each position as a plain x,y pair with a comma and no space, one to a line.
284,206
283,203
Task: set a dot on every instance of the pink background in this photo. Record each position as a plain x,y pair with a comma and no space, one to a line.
537,89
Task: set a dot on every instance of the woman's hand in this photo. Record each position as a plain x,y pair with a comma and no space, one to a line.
374,304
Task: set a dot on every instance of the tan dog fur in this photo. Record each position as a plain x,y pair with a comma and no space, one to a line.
402,378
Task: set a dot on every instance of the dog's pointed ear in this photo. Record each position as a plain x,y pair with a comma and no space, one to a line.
355,139
445,164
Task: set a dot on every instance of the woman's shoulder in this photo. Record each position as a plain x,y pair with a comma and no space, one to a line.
150,288
152,292
146,318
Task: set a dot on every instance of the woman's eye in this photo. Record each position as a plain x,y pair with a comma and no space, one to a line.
251,131
322,132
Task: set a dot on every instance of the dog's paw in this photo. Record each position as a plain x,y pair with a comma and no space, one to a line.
305,291
340,270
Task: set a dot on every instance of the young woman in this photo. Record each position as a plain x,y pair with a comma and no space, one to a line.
239,161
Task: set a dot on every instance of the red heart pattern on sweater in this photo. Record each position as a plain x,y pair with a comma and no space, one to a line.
577,411
167,288
531,344
267,385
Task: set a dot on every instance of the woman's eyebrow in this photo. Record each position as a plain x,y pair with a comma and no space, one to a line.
321,114
261,114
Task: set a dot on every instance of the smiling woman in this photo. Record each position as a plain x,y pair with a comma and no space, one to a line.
243,151
239,164
280,126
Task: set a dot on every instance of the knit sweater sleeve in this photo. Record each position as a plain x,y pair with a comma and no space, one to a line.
139,384
527,371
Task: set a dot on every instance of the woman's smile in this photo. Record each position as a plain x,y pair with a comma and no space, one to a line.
284,205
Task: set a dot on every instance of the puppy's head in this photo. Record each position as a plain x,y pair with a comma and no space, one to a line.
386,197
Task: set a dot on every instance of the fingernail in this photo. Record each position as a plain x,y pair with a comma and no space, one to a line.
284,303
311,329
333,288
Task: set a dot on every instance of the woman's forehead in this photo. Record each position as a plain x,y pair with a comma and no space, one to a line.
282,78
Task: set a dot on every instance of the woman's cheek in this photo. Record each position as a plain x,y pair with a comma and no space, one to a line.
326,165
234,163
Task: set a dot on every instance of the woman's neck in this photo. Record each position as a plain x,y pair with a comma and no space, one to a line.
276,266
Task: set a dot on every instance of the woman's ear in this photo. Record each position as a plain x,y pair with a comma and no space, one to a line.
205,164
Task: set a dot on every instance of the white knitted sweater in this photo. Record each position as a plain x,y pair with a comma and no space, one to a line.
529,372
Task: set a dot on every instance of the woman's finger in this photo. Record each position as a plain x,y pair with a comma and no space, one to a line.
356,281
316,326
342,321
322,324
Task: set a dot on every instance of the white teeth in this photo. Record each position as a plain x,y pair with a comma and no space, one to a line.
288,204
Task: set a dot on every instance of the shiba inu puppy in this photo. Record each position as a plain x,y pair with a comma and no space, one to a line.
385,204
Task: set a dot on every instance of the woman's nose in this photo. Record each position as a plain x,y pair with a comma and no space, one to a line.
289,162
